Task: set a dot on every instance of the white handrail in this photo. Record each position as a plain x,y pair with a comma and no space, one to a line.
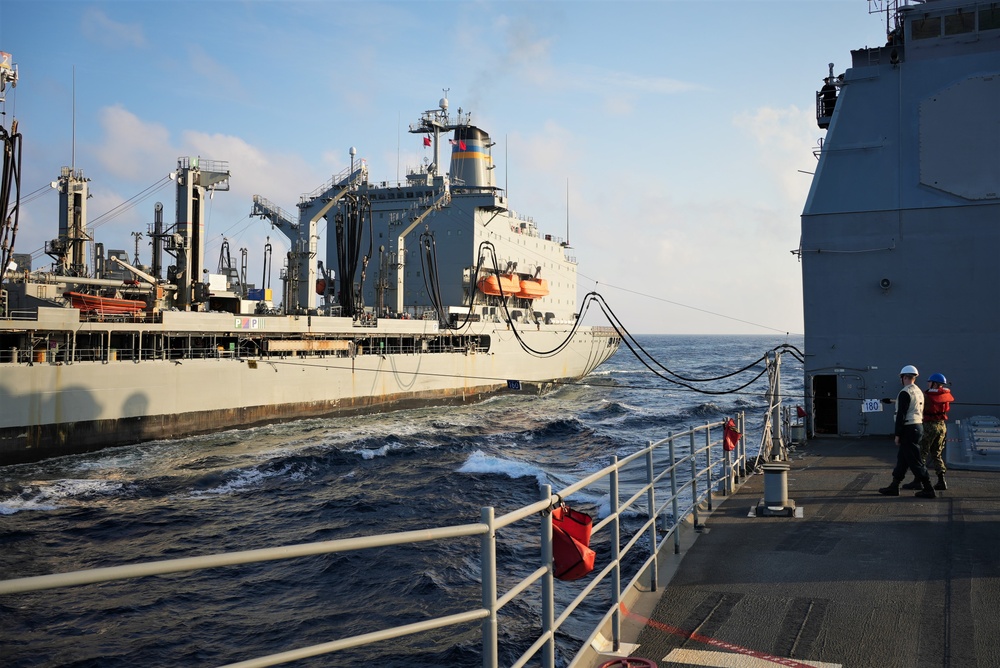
95,575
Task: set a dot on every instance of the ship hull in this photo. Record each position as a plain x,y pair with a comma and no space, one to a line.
54,408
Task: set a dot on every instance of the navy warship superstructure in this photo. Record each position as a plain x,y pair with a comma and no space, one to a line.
900,233
434,291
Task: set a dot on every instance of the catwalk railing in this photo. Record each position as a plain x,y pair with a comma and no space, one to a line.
690,477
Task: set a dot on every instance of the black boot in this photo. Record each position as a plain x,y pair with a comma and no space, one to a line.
913,484
891,490
927,492
941,484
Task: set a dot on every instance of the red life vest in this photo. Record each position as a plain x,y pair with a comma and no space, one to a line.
937,402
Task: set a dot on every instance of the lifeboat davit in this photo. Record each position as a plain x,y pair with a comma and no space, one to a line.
491,285
533,288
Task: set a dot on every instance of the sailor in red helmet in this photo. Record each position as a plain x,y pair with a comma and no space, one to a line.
937,401
909,429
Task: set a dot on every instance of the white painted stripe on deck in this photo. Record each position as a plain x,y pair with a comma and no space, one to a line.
697,657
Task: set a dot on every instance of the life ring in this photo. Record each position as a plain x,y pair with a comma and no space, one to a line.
629,662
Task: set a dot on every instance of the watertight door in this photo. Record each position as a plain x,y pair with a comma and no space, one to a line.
850,392
824,400
836,404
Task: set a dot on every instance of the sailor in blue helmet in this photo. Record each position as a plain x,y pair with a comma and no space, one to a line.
909,430
937,402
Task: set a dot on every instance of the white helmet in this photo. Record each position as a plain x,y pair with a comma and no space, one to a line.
909,370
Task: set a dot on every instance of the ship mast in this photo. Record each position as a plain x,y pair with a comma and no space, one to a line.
10,173
434,122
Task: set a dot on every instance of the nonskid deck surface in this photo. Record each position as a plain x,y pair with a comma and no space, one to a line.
859,580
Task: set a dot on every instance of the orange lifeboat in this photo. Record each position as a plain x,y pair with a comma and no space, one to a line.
492,284
104,305
533,288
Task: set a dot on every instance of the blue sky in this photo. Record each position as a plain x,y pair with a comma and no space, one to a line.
679,129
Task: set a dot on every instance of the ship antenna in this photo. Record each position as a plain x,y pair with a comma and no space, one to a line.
72,153
567,212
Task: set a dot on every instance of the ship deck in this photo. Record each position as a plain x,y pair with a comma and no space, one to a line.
858,580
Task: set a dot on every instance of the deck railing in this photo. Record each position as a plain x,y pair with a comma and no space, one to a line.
690,478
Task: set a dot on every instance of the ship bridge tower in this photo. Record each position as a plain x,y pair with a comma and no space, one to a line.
194,177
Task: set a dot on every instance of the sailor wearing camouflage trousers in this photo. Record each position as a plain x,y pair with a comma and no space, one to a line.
909,429
937,401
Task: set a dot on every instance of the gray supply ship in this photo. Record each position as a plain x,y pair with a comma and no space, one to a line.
900,238
434,291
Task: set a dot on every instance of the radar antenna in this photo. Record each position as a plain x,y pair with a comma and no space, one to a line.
8,73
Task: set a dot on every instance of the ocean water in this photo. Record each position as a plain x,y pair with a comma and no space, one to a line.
322,479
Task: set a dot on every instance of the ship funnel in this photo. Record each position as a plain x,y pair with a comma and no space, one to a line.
471,161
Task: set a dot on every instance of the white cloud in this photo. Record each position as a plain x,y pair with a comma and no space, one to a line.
130,148
783,136
612,81
98,27
134,154
222,81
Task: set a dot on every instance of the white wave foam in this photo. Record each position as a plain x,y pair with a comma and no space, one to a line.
630,408
619,372
17,504
246,479
60,493
508,440
603,504
116,460
480,462
372,453
251,479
